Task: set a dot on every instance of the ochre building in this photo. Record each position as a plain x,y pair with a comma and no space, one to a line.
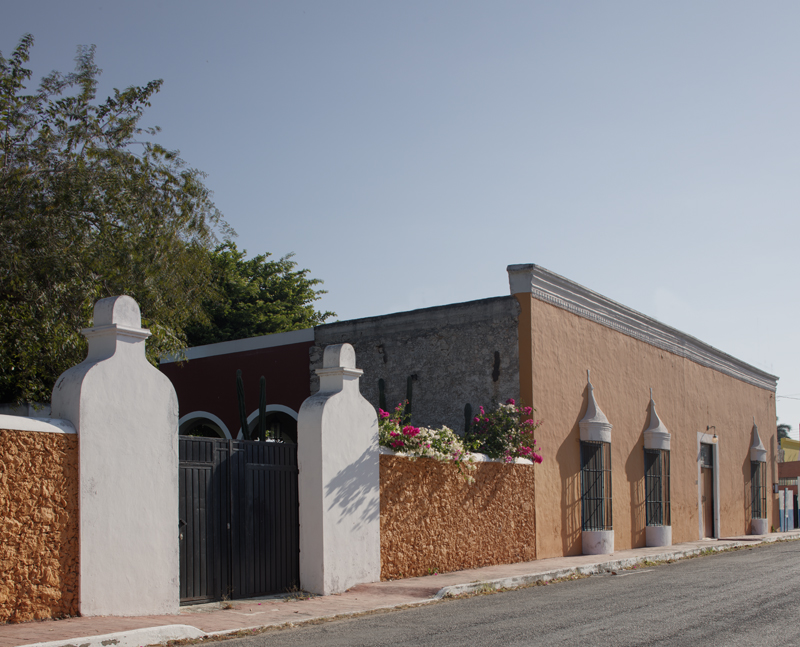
649,435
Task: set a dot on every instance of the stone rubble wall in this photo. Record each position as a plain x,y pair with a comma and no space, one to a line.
456,354
433,521
39,549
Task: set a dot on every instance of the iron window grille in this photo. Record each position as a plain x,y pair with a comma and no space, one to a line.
656,485
758,489
596,485
706,455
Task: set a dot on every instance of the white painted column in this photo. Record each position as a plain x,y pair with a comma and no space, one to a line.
339,488
126,415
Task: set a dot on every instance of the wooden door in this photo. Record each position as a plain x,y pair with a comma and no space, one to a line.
707,494
239,525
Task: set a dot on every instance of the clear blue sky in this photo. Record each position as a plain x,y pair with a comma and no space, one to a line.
407,152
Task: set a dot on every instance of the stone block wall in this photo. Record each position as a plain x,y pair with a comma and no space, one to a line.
456,354
39,549
433,521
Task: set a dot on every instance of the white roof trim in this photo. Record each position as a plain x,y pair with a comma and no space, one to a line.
549,287
243,345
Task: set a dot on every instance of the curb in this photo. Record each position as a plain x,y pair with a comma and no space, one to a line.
518,581
132,638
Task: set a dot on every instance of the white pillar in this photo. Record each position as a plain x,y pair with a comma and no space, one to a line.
126,415
339,489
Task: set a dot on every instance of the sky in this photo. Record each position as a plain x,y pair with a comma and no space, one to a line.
408,152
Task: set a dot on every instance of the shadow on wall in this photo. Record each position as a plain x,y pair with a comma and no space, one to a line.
354,487
634,469
569,466
747,499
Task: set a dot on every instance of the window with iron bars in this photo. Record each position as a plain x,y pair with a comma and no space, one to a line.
758,489
656,486
596,485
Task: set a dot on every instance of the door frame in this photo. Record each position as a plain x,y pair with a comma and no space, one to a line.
709,440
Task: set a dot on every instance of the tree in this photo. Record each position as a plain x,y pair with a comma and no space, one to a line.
783,432
87,210
256,296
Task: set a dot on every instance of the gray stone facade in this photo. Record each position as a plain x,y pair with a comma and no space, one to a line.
456,354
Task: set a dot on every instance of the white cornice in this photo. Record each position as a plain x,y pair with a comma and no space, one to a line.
242,345
563,293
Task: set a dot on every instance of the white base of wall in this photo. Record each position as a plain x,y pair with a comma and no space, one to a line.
658,536
759,527
597,542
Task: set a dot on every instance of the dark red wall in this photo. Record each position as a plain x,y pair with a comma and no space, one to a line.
209,383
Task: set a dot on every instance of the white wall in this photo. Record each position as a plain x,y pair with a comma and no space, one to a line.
126,415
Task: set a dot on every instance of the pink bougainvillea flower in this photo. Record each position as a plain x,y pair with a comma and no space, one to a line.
528,411
510,401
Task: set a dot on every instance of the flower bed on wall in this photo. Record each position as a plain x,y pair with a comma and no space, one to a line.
433,520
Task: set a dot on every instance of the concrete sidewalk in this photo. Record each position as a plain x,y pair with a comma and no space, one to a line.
242,615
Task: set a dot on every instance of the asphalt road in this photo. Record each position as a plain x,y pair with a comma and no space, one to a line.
747,597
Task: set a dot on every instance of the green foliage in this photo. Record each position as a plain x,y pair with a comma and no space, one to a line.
783,431
254,297
89,210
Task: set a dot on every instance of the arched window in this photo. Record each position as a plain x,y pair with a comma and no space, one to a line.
597,536
658,512
281,424
202,424
758,485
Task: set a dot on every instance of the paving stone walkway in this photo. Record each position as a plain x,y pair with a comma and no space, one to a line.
210,619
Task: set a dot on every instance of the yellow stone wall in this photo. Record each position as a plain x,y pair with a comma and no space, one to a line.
39,548
433,521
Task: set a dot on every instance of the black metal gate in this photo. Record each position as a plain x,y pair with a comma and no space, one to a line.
239,525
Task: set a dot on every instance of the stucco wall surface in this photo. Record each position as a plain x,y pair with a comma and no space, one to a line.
338,489
689,398
458,354
38,525
432,520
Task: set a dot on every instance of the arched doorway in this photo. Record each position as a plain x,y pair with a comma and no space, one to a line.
202,424
281,424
